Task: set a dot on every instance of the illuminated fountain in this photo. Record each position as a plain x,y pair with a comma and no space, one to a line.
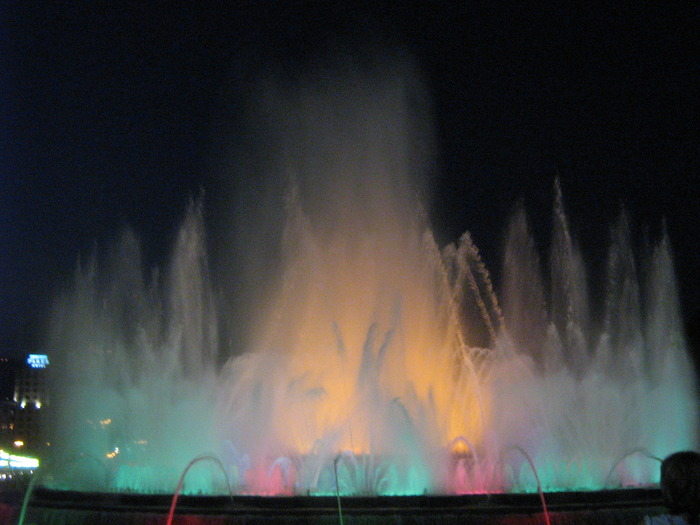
379,364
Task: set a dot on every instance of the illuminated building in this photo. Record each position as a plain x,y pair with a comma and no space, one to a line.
24,399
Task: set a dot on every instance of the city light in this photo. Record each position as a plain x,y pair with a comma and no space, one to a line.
38,360
17,462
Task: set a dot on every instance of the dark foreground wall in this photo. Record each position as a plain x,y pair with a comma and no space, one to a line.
73,517
605,508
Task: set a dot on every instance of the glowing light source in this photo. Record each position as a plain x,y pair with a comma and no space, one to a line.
38,360
17,462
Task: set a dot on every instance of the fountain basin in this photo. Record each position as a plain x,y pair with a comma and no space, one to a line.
57,507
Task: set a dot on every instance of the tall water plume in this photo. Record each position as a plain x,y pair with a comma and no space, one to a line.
366,348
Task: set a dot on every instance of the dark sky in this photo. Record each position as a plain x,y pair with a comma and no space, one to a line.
108,113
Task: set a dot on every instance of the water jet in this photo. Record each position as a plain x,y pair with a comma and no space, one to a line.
381,370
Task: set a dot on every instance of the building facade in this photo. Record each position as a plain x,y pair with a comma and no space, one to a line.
24,402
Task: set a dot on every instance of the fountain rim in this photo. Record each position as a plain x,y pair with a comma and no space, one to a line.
494,503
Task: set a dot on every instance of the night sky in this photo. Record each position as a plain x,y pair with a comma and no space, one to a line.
110,111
